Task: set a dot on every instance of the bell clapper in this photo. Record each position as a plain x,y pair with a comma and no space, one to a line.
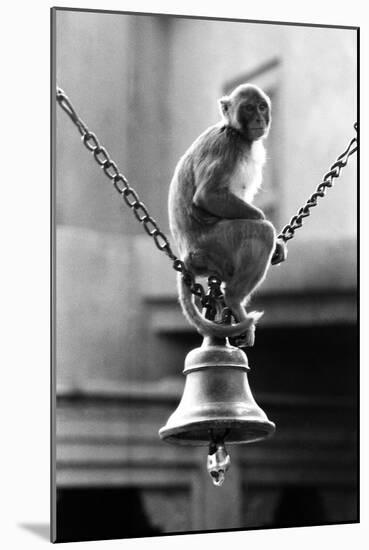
218,461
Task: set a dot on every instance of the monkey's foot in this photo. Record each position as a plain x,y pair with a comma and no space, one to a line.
245,340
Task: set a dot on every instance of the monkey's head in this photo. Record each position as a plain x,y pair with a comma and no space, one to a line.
248,110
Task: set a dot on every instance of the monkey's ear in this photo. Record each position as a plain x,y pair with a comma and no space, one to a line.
224,104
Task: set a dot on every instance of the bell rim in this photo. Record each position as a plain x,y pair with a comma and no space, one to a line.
263,430
225,365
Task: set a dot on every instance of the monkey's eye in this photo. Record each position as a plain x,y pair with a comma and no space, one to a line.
263,106
249,108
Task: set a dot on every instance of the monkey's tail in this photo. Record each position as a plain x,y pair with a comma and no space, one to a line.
205,326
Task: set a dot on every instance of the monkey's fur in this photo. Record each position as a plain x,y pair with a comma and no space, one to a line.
215,227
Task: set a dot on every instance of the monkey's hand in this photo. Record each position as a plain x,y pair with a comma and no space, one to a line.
280,252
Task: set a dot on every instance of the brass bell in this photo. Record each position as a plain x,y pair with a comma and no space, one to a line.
217,404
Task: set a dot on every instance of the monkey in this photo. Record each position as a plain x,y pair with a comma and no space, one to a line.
216,228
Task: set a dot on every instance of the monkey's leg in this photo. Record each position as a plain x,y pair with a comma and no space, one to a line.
234,290
207,261
250,243
211,253
252,254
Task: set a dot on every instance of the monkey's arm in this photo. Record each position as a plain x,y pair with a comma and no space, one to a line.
220,202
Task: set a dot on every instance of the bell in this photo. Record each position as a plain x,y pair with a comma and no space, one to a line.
216,397
217,404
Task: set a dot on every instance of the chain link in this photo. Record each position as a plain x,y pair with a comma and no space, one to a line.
288,232
132,200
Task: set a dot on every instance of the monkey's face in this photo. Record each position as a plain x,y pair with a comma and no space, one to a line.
253,116
248,109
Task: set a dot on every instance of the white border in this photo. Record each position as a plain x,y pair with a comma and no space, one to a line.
25,266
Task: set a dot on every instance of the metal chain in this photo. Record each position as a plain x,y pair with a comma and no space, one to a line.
296,221
132,200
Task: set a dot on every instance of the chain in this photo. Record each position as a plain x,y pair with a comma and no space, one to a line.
132,200
296,221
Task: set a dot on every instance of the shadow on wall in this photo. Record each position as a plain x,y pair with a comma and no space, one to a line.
101,514
299,506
